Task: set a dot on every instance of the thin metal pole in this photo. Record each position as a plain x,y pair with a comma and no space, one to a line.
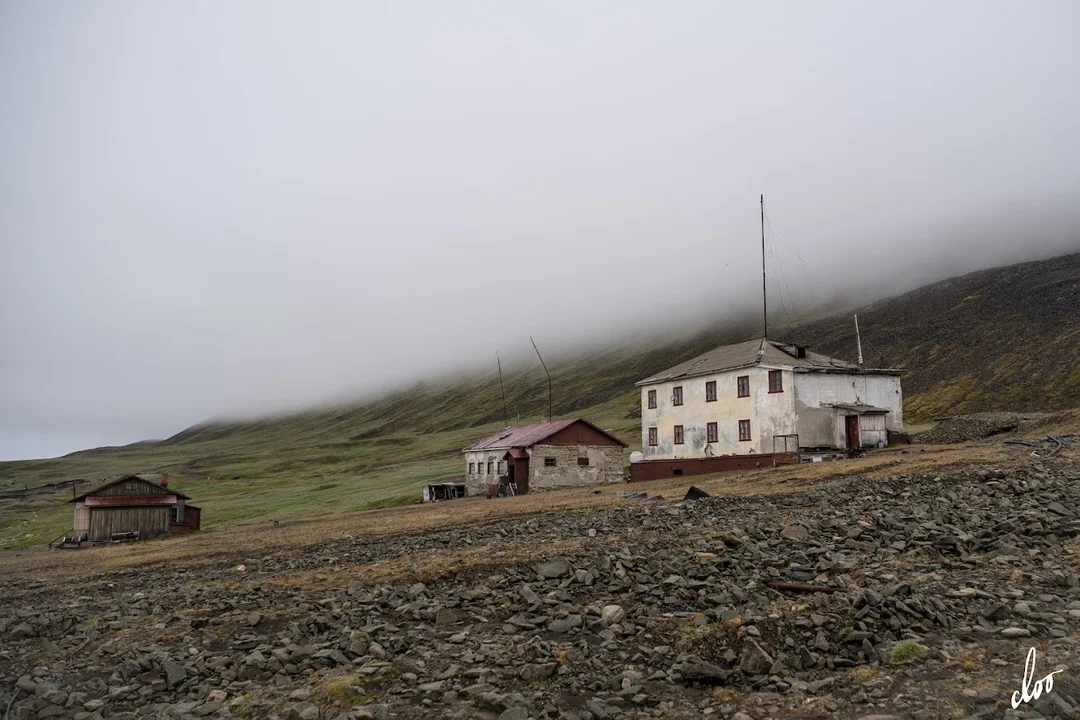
542,363
764,296
506,423
858,339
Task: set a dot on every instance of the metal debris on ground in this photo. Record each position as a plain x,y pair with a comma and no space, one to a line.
696,493
1047,447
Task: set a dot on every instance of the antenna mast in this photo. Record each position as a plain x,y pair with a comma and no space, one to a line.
545,372
764,297
506,423
858,340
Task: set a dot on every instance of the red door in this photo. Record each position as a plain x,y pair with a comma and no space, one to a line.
851,429
521,475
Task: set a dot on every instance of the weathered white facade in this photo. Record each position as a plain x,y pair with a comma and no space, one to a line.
813,399
823,400
477,476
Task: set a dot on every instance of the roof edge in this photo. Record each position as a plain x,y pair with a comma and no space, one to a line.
121,478
648,381
470,448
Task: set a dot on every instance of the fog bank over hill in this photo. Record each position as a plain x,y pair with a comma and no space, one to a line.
237,209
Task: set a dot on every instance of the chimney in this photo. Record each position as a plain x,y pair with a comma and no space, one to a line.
164,480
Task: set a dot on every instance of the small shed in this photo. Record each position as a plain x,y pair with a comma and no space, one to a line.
434,492
132,507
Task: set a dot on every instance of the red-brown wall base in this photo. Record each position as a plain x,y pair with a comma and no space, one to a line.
657,469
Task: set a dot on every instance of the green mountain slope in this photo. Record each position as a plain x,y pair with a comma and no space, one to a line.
1007,338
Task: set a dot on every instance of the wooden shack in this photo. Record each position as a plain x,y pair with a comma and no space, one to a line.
131,507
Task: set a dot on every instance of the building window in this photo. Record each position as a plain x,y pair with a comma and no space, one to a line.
710,391
744,385
713,432
583,461
676,395
776,381
491,468
744,430
549,462
653,439
678,435
652,399
176,513
502,467
472,468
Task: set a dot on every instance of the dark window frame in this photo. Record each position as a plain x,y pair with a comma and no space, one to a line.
676,395
654,437
747,437
583,462
650,399
742,383
472,468
491,467
175,515
710,391
779,386
550,462
680,435
712,432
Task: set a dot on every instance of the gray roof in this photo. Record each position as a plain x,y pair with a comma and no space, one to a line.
754,352
860,408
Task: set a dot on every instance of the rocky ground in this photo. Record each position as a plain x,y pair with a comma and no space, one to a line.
916,596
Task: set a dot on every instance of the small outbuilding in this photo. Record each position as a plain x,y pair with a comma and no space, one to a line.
131,507
560,453
434,492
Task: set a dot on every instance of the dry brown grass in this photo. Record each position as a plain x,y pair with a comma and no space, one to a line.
231,544
863,674
428,568
971,660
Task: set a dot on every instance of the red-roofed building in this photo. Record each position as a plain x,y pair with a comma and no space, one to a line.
560,453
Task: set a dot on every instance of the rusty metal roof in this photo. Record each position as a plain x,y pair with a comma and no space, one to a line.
755,352
529,435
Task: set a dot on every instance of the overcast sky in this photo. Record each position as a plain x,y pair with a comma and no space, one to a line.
215,208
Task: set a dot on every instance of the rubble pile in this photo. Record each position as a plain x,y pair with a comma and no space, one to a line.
968,428
915,596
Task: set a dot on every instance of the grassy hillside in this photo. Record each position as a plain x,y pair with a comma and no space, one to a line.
1001,339
1007,338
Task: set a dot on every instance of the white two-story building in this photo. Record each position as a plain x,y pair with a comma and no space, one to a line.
761,398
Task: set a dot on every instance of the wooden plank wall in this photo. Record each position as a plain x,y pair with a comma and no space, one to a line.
148,521
135,486
82,519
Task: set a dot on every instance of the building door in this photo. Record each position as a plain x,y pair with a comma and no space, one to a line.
520,468
851,429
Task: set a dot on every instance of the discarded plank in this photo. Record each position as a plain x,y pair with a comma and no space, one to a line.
799,587
1054,451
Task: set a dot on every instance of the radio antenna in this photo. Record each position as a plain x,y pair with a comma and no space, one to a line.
506,423
544,365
